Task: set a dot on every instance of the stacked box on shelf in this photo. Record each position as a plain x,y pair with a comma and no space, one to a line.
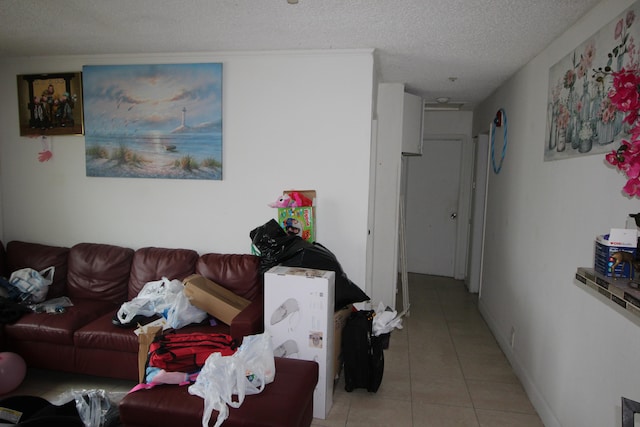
608,244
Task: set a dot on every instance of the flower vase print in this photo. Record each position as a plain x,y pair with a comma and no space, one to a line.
580,85
154,121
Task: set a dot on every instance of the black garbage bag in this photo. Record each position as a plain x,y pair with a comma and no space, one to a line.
34,411
276,247
318,257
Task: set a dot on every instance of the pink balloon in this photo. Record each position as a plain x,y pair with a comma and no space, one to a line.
12,371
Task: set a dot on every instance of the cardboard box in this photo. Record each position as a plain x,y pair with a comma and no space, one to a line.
300,221
339,320
619,239
146,335
298,313
216,300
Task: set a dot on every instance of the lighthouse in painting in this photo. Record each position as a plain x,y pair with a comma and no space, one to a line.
183,126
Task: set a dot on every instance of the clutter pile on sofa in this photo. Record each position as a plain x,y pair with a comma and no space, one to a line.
88,336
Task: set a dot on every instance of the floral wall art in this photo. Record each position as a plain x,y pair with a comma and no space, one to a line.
581,118
153,121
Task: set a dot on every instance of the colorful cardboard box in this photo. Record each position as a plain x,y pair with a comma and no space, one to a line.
300,221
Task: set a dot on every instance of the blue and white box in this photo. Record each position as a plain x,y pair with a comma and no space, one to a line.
618,239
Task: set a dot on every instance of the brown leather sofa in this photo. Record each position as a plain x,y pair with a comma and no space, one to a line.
98,278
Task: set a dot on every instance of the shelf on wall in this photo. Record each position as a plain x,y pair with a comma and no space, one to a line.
617,290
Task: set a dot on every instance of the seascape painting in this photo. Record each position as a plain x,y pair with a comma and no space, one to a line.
153,121
581,120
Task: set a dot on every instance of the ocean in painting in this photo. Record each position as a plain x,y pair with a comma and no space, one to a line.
159,155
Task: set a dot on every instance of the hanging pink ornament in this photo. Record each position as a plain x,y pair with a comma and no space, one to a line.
45,154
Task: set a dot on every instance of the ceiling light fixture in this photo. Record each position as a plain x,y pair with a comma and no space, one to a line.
443,106
442,100
292,1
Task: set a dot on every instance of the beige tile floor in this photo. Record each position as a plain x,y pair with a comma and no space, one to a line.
444,368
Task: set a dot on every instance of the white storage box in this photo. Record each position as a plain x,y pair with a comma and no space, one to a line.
298,314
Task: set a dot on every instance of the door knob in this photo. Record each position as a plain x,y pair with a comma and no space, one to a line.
454,215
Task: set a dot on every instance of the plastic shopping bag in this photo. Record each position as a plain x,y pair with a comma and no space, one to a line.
245,372
95,407
256,352
385,320
31,284
154,298
216,384
182,313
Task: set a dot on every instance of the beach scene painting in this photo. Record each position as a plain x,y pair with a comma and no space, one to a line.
153,121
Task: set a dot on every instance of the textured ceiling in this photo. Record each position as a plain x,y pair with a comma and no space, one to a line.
461,49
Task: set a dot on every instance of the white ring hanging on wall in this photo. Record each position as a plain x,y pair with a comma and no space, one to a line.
499,120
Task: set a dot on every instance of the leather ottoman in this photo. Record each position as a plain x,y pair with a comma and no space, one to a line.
286,402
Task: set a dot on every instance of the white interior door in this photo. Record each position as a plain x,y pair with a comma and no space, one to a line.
432,195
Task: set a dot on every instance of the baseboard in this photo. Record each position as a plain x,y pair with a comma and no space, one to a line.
537,400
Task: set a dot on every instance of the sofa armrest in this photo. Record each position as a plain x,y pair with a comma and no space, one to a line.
249,321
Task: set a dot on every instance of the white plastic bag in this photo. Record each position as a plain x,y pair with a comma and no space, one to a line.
182,313
32,284
160,293
52,306
216,384
245,372
166,298
153,298
385,320
256,352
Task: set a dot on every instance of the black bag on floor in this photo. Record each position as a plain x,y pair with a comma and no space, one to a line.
362,353
34,411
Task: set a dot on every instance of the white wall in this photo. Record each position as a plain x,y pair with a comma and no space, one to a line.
292,120
575,354
387,164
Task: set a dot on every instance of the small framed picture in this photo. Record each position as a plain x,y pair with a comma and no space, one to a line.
50,104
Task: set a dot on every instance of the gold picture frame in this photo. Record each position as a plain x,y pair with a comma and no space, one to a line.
50,104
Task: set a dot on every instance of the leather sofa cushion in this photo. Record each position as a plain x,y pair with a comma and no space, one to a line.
57,328
37,256
99,271
151,263
102,334
283,403
237,272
